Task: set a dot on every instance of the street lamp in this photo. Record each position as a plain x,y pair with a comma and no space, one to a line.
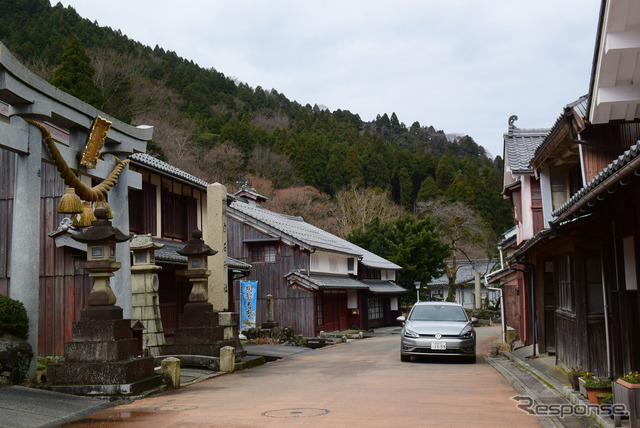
417,284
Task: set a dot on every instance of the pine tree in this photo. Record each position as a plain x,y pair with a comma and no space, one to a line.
75,75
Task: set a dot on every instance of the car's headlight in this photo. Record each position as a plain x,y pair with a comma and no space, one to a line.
410,333
467,332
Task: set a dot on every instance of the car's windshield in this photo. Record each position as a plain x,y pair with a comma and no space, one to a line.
438,313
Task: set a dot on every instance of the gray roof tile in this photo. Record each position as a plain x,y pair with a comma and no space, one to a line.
312,236
467,271
150,161
520,146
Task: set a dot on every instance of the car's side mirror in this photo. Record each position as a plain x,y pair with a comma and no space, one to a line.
401,318
474,320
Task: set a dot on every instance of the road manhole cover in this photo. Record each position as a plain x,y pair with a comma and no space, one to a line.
295,413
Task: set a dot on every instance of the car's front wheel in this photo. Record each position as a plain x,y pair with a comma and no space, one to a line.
405,358
472,359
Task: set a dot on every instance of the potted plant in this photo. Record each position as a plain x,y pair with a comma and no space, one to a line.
573,375
604,397
626,390
581,383
596,386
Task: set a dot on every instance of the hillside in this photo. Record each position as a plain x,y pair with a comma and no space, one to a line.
224,130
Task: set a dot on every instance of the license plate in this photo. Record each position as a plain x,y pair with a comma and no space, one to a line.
439,345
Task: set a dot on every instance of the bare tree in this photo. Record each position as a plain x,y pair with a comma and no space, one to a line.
223,163
460,227
358,206
307,202
273,166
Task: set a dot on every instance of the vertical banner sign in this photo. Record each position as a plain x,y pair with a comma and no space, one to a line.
248,302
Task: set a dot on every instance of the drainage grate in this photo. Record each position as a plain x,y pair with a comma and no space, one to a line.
295,413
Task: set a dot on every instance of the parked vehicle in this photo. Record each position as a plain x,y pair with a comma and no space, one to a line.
438,328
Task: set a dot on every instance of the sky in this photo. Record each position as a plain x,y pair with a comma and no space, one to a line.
461,66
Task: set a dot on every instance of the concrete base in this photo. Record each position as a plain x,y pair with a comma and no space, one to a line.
126,389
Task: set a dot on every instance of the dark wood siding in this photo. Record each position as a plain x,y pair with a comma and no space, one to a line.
293,307
63,284
7,167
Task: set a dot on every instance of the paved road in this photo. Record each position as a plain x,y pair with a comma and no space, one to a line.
361,383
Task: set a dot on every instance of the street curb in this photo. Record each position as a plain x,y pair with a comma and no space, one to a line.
567,392
521,388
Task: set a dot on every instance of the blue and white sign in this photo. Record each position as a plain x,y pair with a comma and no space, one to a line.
248,302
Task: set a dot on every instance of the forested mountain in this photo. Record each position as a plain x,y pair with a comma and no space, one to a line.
221,129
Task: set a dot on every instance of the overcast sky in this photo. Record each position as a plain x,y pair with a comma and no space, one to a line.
463,66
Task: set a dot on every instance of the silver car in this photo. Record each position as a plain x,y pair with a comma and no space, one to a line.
438,328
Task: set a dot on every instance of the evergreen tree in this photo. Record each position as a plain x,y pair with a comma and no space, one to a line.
428,189
352,168
75,74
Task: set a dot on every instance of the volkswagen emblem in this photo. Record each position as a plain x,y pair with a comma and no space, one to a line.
438,336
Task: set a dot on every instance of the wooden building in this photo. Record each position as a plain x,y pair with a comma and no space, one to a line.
170,205
319,281
583,267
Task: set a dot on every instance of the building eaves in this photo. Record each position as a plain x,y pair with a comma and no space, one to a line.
163,168
602,184
535,242
383,287
573,113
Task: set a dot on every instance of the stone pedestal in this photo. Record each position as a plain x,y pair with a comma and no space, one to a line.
201,333
101,358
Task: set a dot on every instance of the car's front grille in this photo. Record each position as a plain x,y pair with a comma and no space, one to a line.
431,351
443,336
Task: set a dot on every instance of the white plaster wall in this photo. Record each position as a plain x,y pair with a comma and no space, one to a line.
527,217
324,262
545,189
352,299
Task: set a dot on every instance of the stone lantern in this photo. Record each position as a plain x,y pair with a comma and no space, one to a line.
201,331
101,239
144,291
101,357
197,253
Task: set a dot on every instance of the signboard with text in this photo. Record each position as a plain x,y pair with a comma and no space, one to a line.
248,302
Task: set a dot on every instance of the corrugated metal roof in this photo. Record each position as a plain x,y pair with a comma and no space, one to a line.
466,271
520,146
383,287
585,194
148,160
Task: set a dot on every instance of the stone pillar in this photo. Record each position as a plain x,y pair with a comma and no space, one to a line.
121,282
24,268
215,233
144,289
478,291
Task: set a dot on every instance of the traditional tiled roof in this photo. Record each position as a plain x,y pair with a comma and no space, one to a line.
169,253
536,241
606,179
383,287
467,271
576,111
310,235
317,281
520,146
170,170
295,228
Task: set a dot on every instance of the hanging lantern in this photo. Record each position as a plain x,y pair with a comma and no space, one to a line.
70,203
86,217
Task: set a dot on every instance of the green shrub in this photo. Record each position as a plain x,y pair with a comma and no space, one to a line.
13,318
